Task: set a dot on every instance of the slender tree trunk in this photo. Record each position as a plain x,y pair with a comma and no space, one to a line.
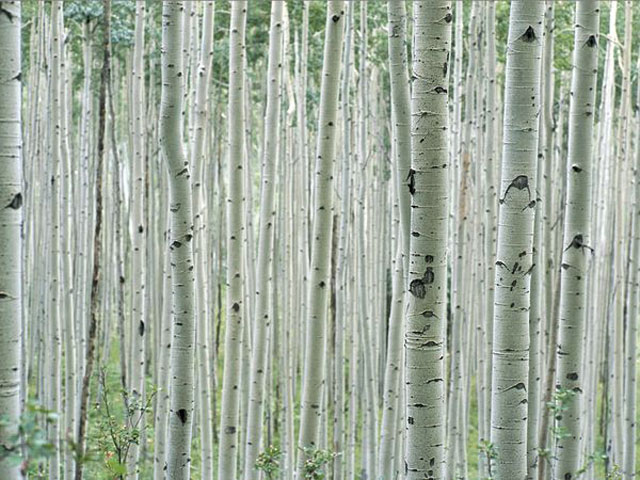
178,461
262,320
428,183
515,242
201,257
319,276
577,239
138,234
236,311
11,218
97,244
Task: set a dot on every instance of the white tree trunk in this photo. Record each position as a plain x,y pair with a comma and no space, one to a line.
10,229
577,239
235,308
178,461
319,275
517,194
428,183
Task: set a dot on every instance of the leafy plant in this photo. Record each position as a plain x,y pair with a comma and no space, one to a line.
316,459
269,461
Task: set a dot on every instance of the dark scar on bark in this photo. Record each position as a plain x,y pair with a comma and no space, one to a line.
411,182
519,183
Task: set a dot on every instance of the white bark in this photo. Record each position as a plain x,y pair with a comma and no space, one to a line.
515,241
178,461
577,240
10,227
428,183
235,310
263,313
319,276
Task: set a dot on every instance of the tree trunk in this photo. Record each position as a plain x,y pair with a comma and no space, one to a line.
570,384
319,275
515,242
11,215
178,461
428,183
236,313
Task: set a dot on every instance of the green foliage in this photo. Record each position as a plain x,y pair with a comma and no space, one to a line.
269,462
29,445
316,459
117,434
559,404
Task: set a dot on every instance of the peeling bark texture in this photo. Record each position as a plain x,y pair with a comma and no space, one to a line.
577,225
178,460
11,217
236,311
313,375
425,323
515,241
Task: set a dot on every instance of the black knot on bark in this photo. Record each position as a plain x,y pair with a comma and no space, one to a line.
576,168
16,201
182,415
417,288
529,35
591,41
448,17
411,182
335,18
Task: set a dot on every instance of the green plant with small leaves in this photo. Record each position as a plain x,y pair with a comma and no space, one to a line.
119,434
269,461
316,459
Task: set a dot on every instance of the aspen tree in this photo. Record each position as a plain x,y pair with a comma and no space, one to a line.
198,160
632,332
178,461
55,296
577,238
428,183
138,233
319,276
263,312
342,258
94,314
235,310
11,221
539,301
491,207
515,241
401,130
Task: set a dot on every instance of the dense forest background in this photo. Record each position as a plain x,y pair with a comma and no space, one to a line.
258,215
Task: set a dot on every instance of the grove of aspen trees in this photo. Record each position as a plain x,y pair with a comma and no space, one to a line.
322,239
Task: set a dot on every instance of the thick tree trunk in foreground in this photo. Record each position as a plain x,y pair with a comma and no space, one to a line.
517,197
428,183
577,240
319,280
10,228
178,459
